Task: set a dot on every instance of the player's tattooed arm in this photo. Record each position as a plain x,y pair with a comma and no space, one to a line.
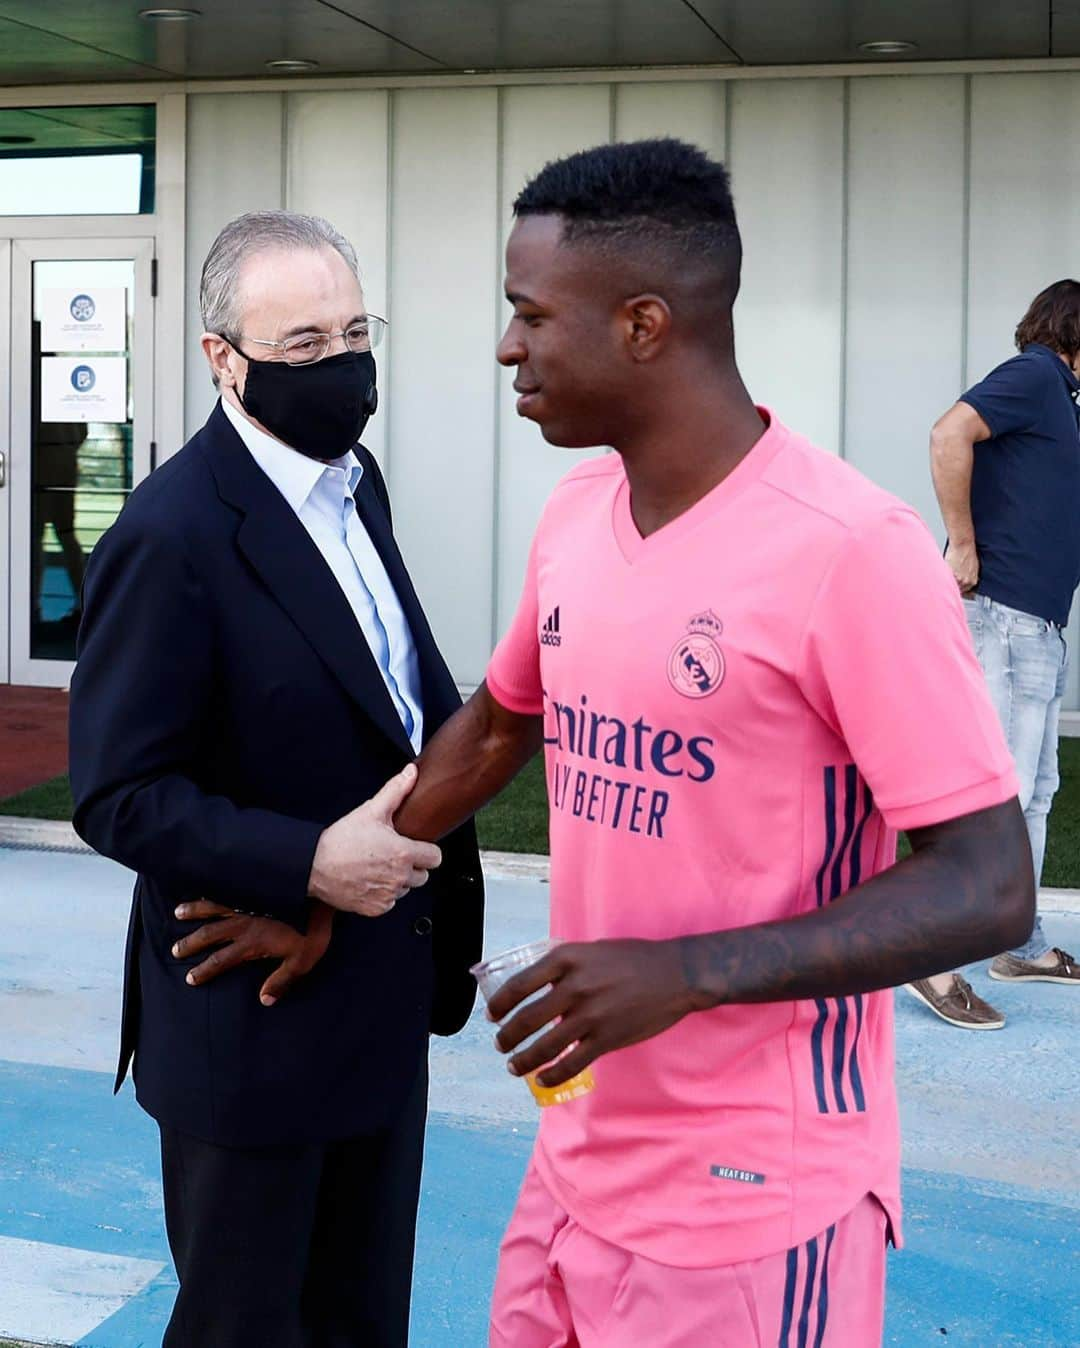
966,892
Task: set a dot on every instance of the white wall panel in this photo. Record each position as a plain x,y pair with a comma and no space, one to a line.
787,163
865,307
1025,202
538,124
696,112
1071,700
904,339
443,259
337,157
234,165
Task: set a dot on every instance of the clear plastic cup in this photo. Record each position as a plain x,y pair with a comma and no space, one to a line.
491,975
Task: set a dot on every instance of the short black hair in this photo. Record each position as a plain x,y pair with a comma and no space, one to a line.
662,193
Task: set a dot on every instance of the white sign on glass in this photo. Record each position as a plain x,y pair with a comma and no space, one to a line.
92,319
84,388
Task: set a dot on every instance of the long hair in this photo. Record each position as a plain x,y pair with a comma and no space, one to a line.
1053,318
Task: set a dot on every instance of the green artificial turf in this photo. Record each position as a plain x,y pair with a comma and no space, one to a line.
50,800
517,820
1061,870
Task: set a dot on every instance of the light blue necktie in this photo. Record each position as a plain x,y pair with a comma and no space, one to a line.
349,505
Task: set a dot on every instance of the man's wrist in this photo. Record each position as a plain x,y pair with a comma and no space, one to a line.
702,988
316,886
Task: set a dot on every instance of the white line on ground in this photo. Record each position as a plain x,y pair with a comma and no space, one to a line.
54,1294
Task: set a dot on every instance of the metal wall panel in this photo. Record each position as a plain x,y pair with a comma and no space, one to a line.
695,112
234,149
787,164
537,124
895,229
1025,203
336,166
905,277
443,257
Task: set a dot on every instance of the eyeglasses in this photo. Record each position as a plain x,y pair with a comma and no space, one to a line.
308,347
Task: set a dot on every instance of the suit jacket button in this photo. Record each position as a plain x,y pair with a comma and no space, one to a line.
422,926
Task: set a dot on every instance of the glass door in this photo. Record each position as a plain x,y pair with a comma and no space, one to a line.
81,428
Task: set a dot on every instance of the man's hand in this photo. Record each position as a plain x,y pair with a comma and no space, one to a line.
604,994
964,562
240,938
362,865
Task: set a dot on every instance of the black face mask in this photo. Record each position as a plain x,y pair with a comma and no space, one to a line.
319,410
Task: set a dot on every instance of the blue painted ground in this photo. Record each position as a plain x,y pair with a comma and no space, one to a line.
983,1262
991,1189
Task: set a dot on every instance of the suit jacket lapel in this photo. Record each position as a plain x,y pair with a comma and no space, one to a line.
282,552
439,692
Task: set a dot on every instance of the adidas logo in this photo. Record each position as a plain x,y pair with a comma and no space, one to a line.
549,633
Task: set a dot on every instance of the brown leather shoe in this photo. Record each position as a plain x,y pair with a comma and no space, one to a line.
960,1006
1008,969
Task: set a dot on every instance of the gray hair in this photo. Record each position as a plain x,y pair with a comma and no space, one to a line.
240,239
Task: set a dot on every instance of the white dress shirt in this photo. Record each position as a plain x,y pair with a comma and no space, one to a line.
321,494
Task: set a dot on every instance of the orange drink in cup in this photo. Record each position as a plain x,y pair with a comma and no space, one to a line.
491,975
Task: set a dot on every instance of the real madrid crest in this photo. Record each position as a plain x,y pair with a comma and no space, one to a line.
82,308
696,662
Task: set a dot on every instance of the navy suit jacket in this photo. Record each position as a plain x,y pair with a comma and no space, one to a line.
226,708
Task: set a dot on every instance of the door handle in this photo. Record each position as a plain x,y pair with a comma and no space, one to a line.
3,469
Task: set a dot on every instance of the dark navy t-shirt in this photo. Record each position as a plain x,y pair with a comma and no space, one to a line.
1025,485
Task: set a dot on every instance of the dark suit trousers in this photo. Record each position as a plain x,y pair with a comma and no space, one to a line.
305,1246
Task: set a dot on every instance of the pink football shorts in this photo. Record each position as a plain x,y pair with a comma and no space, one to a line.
559,1286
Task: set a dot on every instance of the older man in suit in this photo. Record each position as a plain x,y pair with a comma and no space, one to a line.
254,665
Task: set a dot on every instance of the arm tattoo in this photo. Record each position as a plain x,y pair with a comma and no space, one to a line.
966,892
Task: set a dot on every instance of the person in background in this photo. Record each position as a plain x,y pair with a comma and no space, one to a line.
56,481
1006,466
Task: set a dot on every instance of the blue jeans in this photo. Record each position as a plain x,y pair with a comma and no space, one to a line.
1024,660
